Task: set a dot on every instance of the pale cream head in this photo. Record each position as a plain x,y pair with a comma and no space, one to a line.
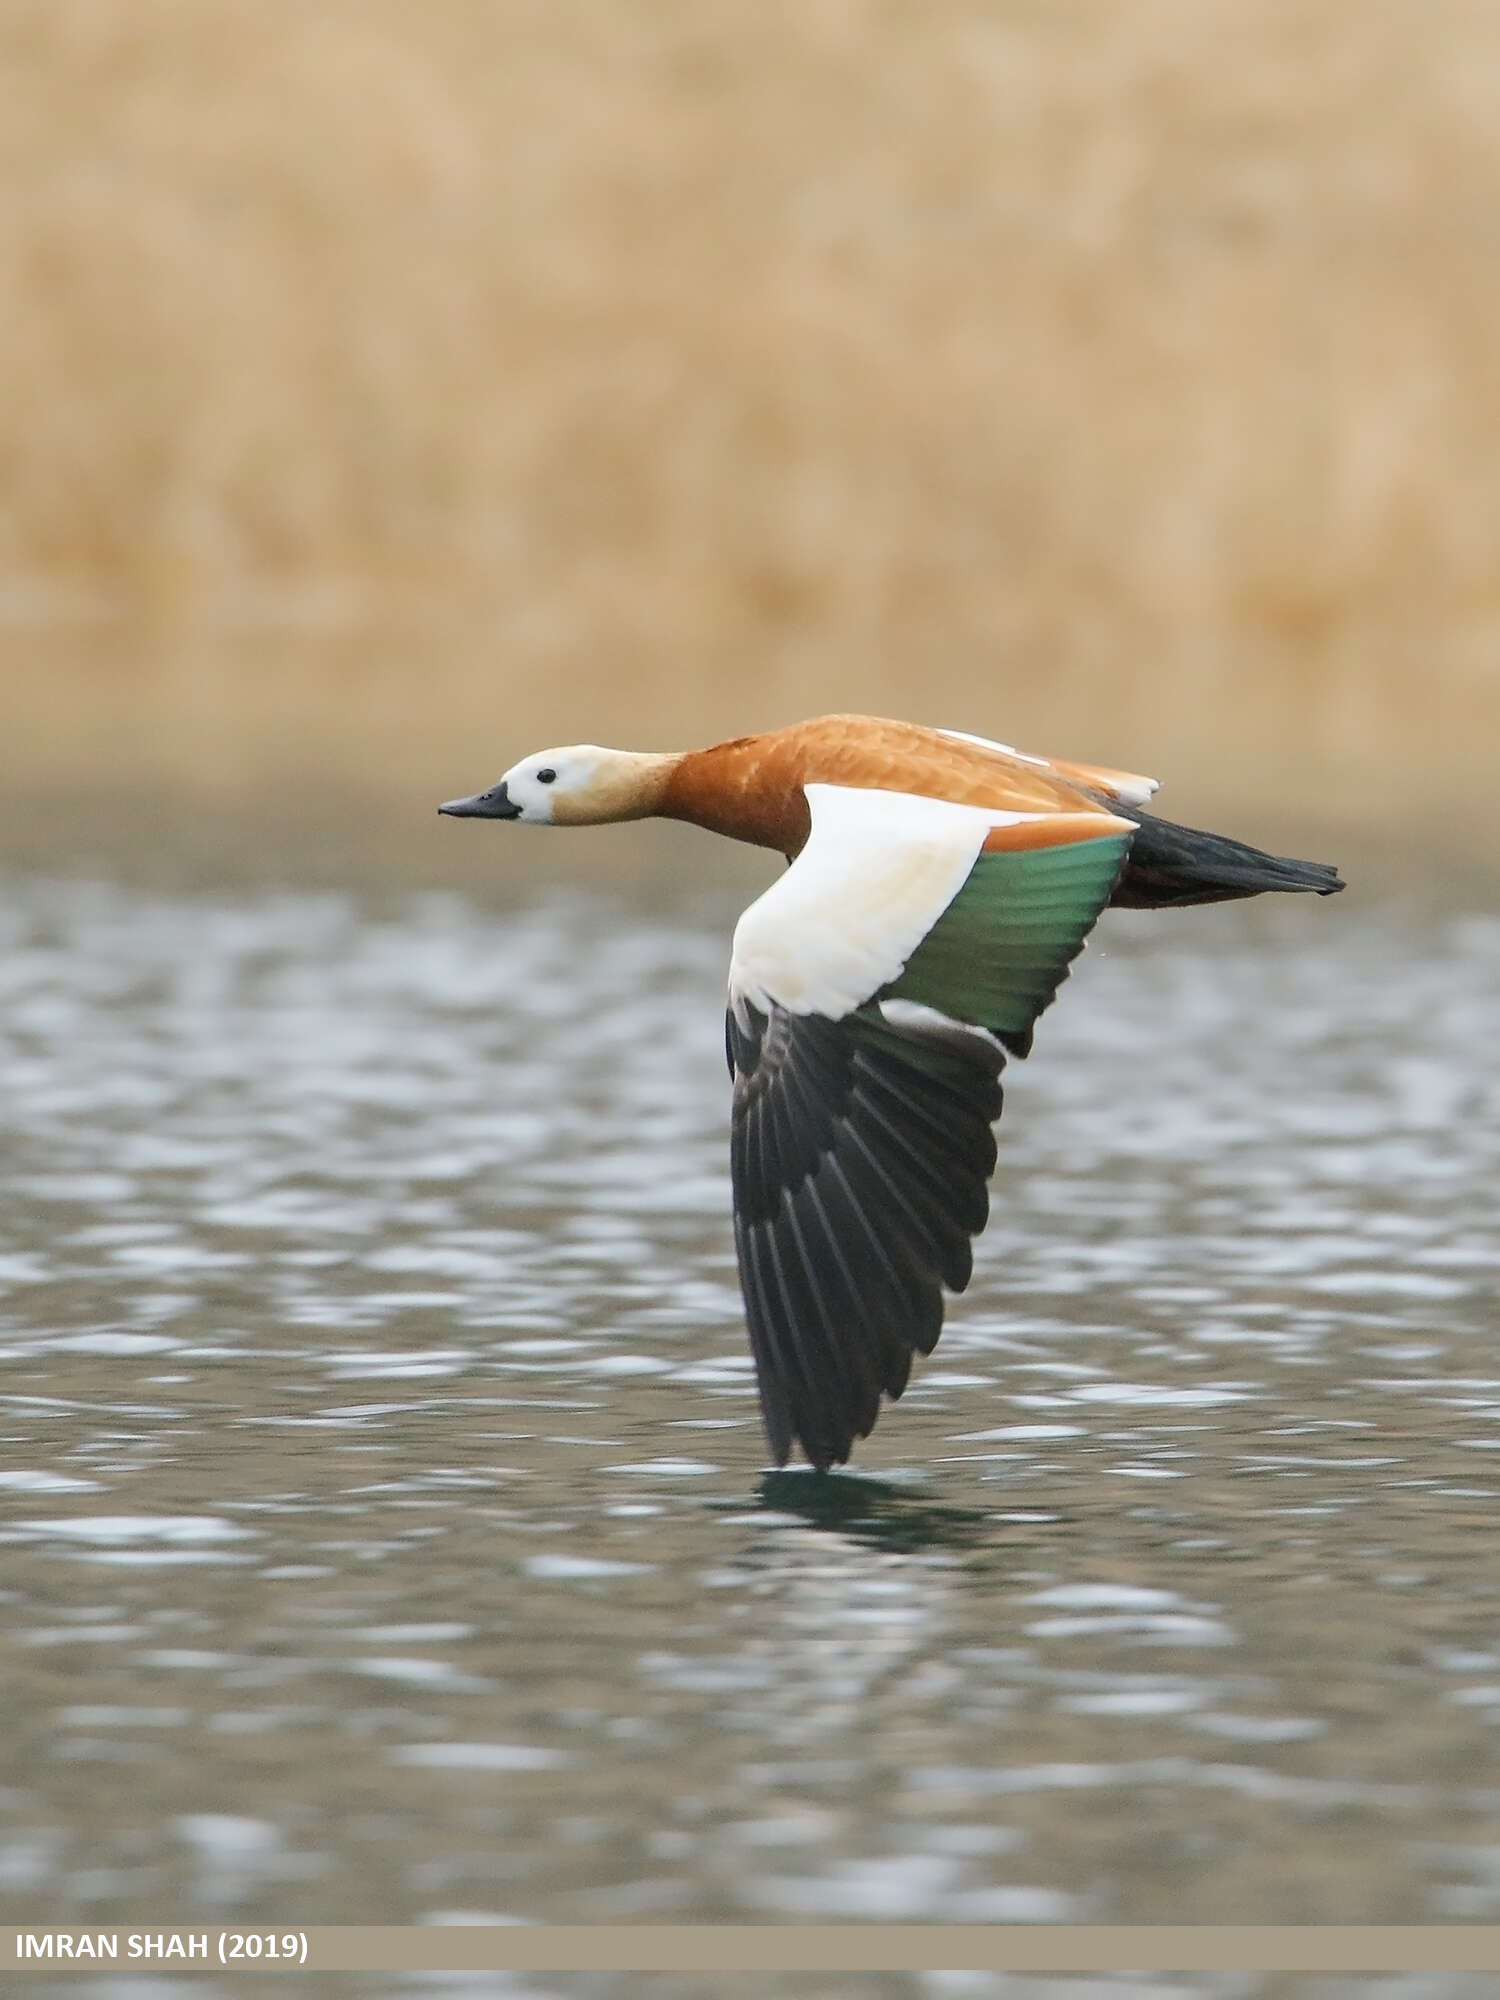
584,785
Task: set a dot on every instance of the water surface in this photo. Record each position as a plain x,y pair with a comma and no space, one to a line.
387,1533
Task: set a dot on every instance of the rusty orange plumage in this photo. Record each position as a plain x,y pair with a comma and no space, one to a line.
751,788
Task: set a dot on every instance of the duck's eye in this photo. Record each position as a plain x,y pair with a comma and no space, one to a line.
546,776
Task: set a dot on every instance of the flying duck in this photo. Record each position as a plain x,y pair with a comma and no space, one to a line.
940,887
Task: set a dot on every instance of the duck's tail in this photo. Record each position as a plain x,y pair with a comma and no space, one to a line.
1170,866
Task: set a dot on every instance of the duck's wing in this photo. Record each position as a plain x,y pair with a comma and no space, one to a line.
1129,788
873,993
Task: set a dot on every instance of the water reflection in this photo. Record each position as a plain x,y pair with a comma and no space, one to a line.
385,1527
880,1514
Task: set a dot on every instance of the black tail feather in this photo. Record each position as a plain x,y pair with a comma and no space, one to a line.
1171,866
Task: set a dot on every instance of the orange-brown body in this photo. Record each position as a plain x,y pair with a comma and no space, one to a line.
751,788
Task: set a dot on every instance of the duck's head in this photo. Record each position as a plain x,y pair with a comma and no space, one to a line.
579,785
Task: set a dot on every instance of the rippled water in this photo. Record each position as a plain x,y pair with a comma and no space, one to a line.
386,1529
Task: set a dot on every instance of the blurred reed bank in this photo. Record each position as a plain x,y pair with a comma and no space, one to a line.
389,390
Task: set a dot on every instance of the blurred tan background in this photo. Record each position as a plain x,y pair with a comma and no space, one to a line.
390,390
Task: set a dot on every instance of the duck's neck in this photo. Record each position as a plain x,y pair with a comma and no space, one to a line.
627,784
745,789
639,780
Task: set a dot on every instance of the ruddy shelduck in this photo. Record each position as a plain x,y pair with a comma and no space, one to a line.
940,887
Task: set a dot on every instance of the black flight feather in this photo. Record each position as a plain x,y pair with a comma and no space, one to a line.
860,1150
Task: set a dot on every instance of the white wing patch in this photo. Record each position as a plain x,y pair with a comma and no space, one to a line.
1136,794
878,870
